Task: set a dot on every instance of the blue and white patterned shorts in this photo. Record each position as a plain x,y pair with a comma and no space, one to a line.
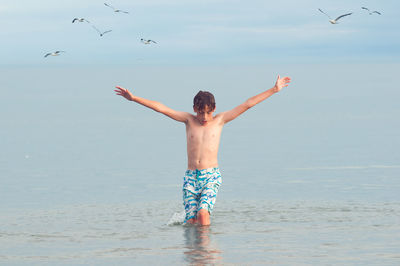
200,188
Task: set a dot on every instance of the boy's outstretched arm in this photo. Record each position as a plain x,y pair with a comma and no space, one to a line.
156,106
238,110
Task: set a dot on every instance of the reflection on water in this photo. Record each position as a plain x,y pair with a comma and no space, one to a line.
200,249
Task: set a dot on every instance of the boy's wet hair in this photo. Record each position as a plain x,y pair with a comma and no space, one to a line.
203,99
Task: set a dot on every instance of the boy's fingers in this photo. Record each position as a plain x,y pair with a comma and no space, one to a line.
121,91
120,88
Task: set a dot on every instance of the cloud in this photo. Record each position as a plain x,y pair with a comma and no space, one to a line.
305,30
4,8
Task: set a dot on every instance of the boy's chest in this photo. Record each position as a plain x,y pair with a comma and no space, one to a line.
209,133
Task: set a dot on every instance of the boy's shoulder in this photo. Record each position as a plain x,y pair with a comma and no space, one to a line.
219,115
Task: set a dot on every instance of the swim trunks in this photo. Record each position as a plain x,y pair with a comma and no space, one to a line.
200,188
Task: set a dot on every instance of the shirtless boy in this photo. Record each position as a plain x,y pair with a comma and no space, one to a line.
203,130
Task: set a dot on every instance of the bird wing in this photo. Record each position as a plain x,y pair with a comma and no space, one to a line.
343,16
96,29
75,19
47,54
324,13
365,8
109,6
107,31
377,12
121,11
152,41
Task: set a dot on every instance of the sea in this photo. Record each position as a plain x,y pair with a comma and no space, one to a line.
311,176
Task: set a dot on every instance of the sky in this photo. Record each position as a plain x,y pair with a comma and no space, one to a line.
197,32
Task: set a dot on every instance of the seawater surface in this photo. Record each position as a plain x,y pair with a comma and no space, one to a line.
242,233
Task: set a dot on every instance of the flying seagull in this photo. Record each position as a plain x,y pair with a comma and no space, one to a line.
116,10
147,41
372,11
101,33
334,21
80,20
56,53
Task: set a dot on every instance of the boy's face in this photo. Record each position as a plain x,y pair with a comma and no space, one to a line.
205,115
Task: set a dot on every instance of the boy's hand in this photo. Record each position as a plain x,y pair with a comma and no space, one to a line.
281,83
124,92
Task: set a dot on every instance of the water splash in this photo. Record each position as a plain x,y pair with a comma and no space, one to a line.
177,218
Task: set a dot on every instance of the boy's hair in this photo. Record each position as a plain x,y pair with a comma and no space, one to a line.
203,99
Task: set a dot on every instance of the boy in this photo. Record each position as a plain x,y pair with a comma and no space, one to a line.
203,130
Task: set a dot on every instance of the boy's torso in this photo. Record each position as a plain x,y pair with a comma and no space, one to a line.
203,143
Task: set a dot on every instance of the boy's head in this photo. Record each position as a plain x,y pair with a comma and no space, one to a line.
204,99
204,106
